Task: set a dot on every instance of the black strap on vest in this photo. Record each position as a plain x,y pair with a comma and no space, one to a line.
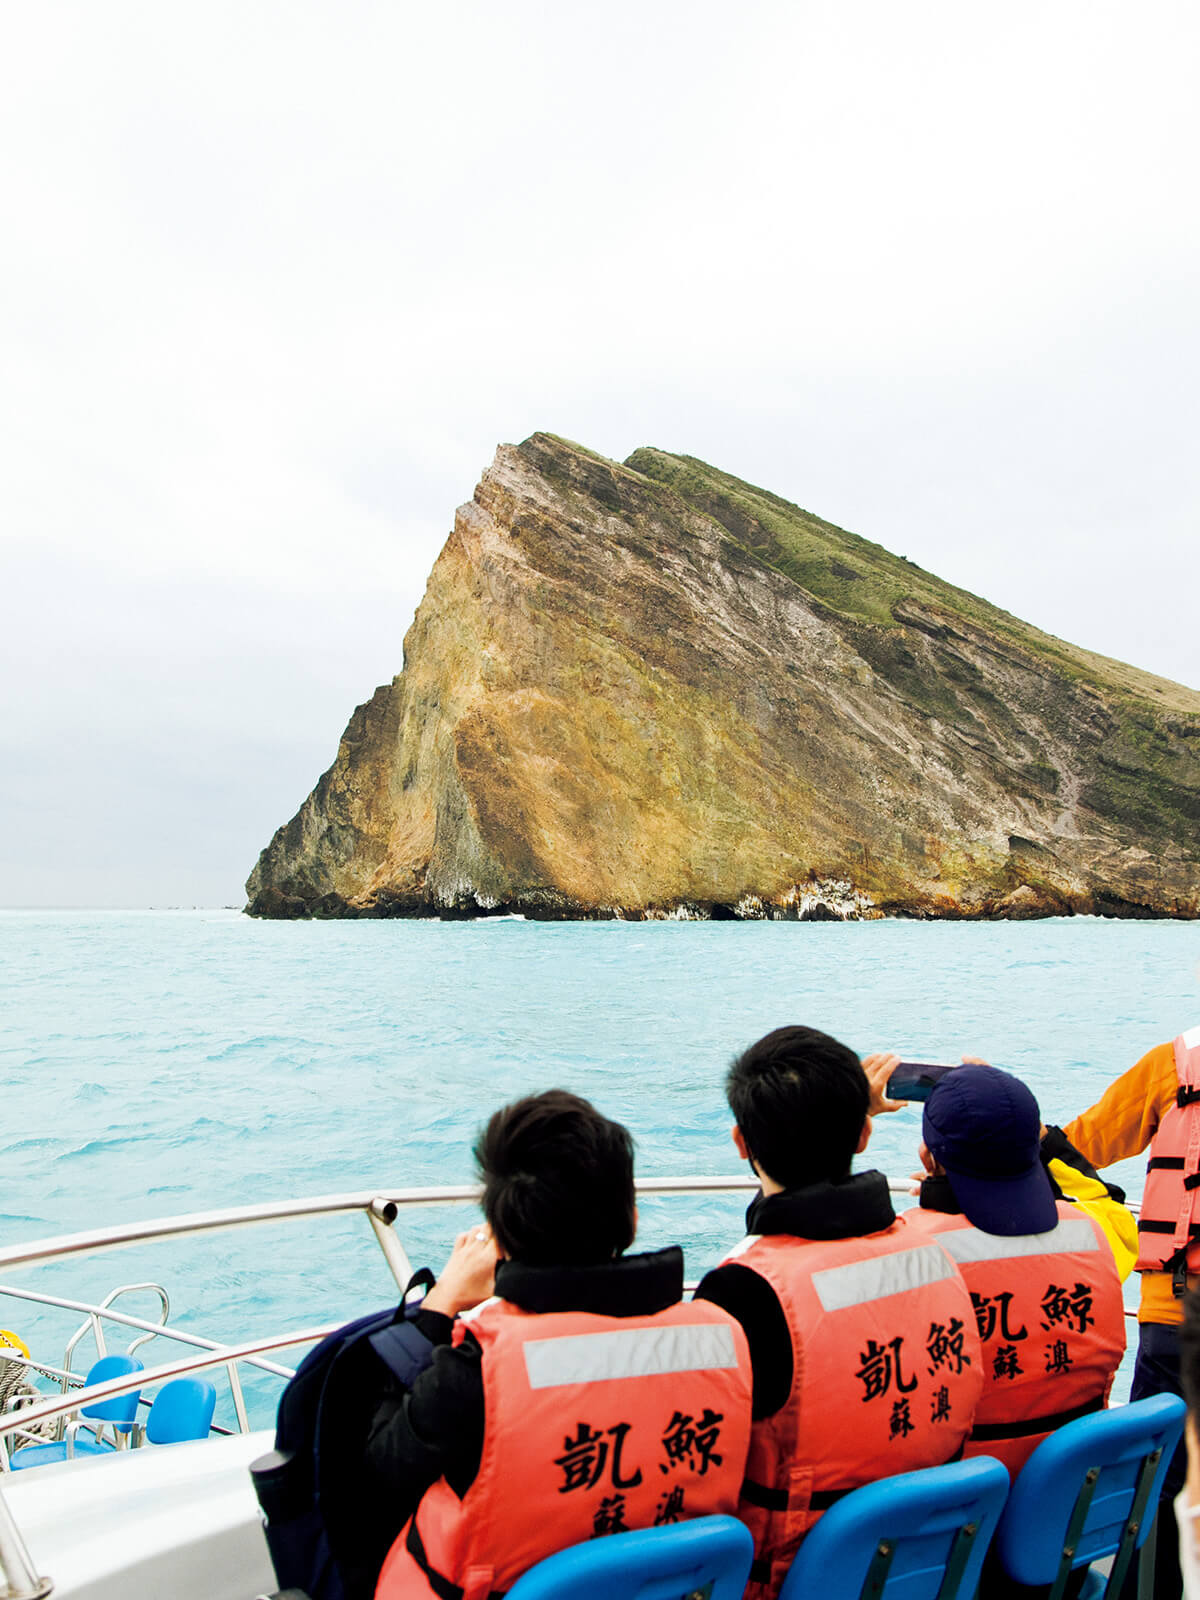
1031,1425
1177,1262
822,1499
760,1494
1173,1164
441,1586
1186,1096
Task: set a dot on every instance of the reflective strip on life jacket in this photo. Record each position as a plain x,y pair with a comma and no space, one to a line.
972,1244
630,1353
875,1279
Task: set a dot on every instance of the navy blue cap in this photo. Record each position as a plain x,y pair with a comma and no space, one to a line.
983,1127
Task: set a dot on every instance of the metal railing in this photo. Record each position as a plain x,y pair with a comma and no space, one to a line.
23,1582
381,1210
99,1314
16,1566
56,1405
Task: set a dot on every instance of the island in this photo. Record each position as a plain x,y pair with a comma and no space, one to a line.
650,690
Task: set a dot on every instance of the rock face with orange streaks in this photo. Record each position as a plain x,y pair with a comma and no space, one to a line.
651,689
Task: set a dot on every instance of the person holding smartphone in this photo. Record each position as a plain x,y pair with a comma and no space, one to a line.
1041,1272
863,1344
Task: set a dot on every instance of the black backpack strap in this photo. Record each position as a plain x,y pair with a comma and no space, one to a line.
404,1351
417,1287
401,1346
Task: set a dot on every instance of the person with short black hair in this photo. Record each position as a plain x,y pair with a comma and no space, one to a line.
863,1343
557,1181
800,1101
557,1389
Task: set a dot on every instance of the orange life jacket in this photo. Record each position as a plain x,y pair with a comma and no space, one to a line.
592,1425
1169,1225
1052,1321
885,1378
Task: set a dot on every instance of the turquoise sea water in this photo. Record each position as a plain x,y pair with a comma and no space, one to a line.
162,1062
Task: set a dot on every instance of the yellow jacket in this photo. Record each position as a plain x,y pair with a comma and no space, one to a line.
1121,1124
1092,1195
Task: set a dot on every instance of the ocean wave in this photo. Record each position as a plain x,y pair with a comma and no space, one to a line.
95,1147
263,1043
197,1132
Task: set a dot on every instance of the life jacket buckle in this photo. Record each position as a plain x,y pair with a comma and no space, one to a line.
1179,1276
1186,1095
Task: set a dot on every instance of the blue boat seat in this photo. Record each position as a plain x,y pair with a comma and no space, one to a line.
182,1409
118,1413
668,1563
918,1536
1090,1490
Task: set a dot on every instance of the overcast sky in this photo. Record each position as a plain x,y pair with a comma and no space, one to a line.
277,278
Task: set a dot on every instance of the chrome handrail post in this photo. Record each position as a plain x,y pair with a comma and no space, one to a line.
239,1399
114,1295
18,1571
381,1214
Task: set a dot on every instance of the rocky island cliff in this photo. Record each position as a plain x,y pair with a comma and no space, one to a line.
651,689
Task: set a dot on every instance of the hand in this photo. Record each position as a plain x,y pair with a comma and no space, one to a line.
879,1068
929,1165
468,1276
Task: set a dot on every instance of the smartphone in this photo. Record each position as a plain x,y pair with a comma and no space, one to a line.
914,1080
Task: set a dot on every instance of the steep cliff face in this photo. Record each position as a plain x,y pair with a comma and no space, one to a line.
652,689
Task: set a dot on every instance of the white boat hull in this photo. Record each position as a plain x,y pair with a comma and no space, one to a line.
167,1522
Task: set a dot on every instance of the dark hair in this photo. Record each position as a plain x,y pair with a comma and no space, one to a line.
557,1181
800,1099
1189,1354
